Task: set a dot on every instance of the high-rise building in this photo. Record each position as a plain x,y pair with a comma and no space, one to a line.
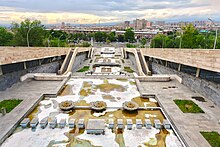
139,24
149,24
63,25
126,24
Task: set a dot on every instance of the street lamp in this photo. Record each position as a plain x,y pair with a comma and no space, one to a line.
48,40
181,33
162,40
67,39
29,29
59,40
216,32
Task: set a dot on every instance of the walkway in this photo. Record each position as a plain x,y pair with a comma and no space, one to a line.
188,124
30,92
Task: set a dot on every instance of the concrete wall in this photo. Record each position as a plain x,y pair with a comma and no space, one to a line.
80,58
208,59
46,68
7,80
207,89
19,54
137,60
133,60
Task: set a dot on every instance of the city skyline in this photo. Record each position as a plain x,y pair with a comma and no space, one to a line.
88,12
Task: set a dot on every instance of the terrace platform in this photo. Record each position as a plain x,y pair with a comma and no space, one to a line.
188,125
31,92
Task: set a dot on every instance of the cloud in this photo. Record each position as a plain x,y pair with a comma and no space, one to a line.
91,11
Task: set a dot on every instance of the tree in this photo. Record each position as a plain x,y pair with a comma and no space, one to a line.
112,37
189,37
200,41
100,36
143,41
35,29
57,38
57,34
158,41
79,36
120,38
129,35
6,37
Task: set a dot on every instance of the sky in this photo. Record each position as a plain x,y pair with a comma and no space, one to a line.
106,11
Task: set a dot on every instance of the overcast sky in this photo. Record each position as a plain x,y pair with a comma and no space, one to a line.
91,11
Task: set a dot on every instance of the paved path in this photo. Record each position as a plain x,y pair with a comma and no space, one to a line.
188,124
30,92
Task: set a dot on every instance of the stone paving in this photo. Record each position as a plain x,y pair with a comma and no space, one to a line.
30,92
189,125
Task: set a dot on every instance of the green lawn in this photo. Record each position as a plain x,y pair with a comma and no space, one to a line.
85,68
188,106
9,104
128,69
212,137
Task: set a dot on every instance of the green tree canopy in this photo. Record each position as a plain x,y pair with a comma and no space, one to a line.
158,41
143,41
6,37
189,38
129,35
111,36
121,38
35,29
100,36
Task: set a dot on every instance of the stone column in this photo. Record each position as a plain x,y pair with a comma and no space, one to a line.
1,70
25,66
198,72
179,67
39,61
3,111
125,55
166,64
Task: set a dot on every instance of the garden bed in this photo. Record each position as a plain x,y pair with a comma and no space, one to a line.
9,104
128,69
188,106
212,137
84,69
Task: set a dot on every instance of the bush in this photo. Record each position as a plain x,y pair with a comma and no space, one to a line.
86,44
128,45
